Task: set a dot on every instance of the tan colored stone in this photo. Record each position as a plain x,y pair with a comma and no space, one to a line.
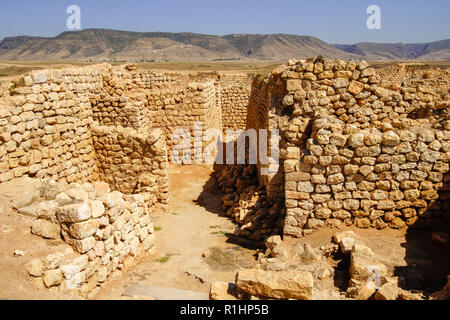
52,278
76,212
388,291
276,284
223,291
35,268
46,229
355,87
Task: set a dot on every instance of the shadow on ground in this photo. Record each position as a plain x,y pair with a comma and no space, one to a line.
211,199
428,249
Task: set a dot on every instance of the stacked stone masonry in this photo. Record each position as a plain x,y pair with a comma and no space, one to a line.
235,92
133,162
45,126
91,125
108,233
47,116
354,150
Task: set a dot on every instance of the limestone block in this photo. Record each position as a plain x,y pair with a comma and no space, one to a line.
276,284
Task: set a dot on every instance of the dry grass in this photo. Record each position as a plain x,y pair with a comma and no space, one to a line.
434,64
229,259
15,68
252,67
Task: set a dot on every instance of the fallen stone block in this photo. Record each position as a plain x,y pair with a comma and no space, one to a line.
276,284
364,265
46,229
343,234
347,245
388,291
52,278
35,268
223,291
52,261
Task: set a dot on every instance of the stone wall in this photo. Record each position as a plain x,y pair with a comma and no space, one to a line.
50,129
234,97
170,101
47,120
108,232
44,126
355,147
133,162
350,150
180,108
262,116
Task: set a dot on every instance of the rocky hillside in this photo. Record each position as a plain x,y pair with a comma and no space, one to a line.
438,50
113,45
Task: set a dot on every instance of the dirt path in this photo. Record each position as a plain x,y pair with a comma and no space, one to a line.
192,248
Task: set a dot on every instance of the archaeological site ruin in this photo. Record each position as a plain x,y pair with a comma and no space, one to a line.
86,152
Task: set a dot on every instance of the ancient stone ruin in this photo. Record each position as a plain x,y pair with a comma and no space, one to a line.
355,148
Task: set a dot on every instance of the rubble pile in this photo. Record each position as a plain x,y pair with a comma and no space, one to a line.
246,203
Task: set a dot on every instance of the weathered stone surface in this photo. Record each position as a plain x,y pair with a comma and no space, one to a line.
223,291
81,246
83,230
273,242
35,268
52,278
355,149
276,284
97,208
76,212
52,261
391,139
46,229
74,267
388,291
362,292
364,266
355,87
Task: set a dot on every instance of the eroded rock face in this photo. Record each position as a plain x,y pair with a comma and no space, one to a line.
276,284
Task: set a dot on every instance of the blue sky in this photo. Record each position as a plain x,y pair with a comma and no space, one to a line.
338,21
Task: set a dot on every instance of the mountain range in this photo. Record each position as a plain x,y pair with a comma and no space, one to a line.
115,45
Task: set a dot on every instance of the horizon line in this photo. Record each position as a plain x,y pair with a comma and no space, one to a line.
216,35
